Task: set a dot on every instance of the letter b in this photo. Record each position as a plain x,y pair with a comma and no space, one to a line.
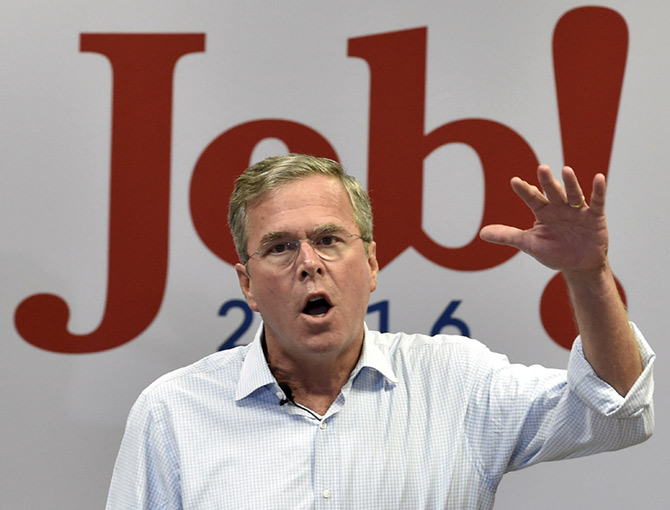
398,147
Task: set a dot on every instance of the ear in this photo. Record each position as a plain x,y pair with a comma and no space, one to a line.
374,265
245,285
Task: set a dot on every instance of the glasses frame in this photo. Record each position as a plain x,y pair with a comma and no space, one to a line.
312,240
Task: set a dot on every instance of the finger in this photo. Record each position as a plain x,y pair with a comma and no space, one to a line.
573,191
597,202
529,193
502,234
552,188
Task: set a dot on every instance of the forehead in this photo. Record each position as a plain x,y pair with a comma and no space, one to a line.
301,206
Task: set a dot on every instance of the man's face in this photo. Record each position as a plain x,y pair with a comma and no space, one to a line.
287,296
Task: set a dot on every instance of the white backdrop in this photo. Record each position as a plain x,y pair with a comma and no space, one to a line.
63,413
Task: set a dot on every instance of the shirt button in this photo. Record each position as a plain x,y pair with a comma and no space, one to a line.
326,493
323,425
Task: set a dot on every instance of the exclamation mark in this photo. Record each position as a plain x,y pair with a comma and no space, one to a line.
590,46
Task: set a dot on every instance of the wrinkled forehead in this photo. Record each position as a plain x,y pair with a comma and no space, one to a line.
301,205
303,190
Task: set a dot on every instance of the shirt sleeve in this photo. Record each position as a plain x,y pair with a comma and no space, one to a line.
600,396
146,474
540,414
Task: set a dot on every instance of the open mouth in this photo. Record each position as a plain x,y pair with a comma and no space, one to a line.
317,307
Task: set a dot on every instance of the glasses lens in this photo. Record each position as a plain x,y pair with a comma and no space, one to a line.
279,252
329,246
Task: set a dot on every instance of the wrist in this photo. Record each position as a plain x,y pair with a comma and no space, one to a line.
597,283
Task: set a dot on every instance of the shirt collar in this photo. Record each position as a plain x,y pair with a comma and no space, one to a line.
373,357
255,372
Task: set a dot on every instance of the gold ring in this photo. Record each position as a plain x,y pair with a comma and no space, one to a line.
580,204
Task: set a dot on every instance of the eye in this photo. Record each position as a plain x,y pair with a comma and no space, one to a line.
277,248
327,240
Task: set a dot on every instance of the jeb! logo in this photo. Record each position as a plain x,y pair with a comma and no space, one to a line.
589,50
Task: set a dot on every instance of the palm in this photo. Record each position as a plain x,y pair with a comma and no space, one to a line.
564,238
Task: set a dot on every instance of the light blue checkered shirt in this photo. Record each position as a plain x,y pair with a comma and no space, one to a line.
423,422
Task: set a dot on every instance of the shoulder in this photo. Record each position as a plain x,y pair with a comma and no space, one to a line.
215,374
441,354
420,345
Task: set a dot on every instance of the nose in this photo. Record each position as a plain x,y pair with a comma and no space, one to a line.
308,262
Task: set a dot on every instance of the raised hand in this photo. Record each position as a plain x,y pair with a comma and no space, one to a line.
569,234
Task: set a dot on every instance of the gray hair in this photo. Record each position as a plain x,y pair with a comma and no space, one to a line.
271,173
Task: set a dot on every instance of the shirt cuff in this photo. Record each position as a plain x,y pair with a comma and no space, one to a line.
600,396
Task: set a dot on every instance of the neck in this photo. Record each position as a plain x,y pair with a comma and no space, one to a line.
315,382
315,391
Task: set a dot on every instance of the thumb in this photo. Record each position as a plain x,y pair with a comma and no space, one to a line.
501,234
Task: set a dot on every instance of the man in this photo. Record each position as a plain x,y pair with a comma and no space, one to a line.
320,412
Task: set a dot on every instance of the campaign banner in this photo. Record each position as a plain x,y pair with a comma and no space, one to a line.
124,125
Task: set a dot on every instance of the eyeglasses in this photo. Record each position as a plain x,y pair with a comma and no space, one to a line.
283,251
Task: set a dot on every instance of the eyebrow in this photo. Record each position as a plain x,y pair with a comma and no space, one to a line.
273,236
328,228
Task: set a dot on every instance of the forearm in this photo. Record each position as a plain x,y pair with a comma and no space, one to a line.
608,342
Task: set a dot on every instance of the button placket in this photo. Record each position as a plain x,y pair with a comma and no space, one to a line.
326,465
